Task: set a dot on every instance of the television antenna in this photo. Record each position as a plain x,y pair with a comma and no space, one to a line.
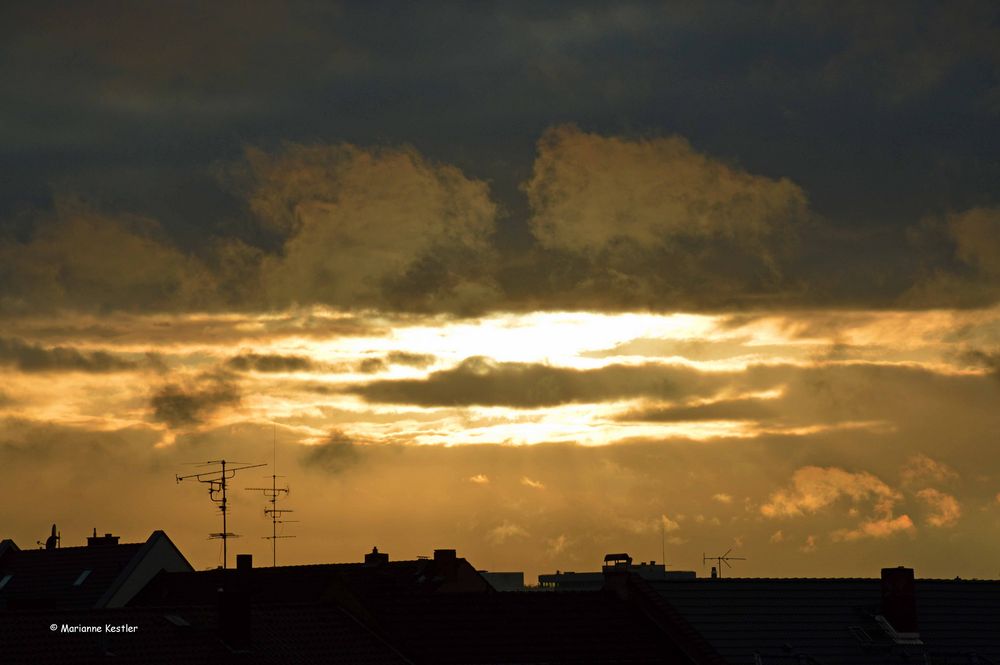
217,481
722,559
273,493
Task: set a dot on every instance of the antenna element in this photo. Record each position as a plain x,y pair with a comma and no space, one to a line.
217,481
273,493
722,559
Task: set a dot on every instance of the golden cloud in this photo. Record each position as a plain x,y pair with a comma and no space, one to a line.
588,191
944,508
372,227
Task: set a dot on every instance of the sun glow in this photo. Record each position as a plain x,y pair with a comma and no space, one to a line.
308,375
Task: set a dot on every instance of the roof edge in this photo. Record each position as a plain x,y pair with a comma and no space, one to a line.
154,538
8,545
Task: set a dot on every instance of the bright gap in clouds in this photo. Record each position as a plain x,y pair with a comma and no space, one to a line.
319,392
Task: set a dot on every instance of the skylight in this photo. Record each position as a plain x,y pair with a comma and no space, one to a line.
81,578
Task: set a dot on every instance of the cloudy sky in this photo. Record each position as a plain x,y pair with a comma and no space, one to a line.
537,281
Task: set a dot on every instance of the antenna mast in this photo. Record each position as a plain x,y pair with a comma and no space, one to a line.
723,559
273,493
217,481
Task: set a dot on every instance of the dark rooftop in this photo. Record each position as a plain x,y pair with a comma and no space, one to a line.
525,627
835,620
282,633
58,577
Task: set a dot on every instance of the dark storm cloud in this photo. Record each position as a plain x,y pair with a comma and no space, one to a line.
736,409
372,365
336,454
411,359
862,119
26,357
79,258
375,364
485,382
257,362
179,406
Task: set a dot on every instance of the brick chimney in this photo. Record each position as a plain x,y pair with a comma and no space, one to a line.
899,599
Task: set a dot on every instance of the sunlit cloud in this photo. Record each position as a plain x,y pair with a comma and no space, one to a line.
945,509
504,532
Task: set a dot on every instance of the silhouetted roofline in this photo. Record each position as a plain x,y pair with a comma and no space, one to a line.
8,545
154,539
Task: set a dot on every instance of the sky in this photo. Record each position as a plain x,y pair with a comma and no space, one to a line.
535,281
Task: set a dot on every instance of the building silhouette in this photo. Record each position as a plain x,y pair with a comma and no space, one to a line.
103,573
441,611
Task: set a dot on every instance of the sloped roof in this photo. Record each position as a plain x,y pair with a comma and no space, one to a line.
282,633
45,578
833,620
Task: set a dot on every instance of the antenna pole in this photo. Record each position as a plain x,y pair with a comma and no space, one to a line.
218,482
273,493
225,531
663,544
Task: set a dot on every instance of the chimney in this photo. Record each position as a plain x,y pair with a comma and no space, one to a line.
899,599
244,562
445,556
446,564
106,539
376,558
715,573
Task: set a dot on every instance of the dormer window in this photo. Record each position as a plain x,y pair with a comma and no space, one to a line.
83,576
